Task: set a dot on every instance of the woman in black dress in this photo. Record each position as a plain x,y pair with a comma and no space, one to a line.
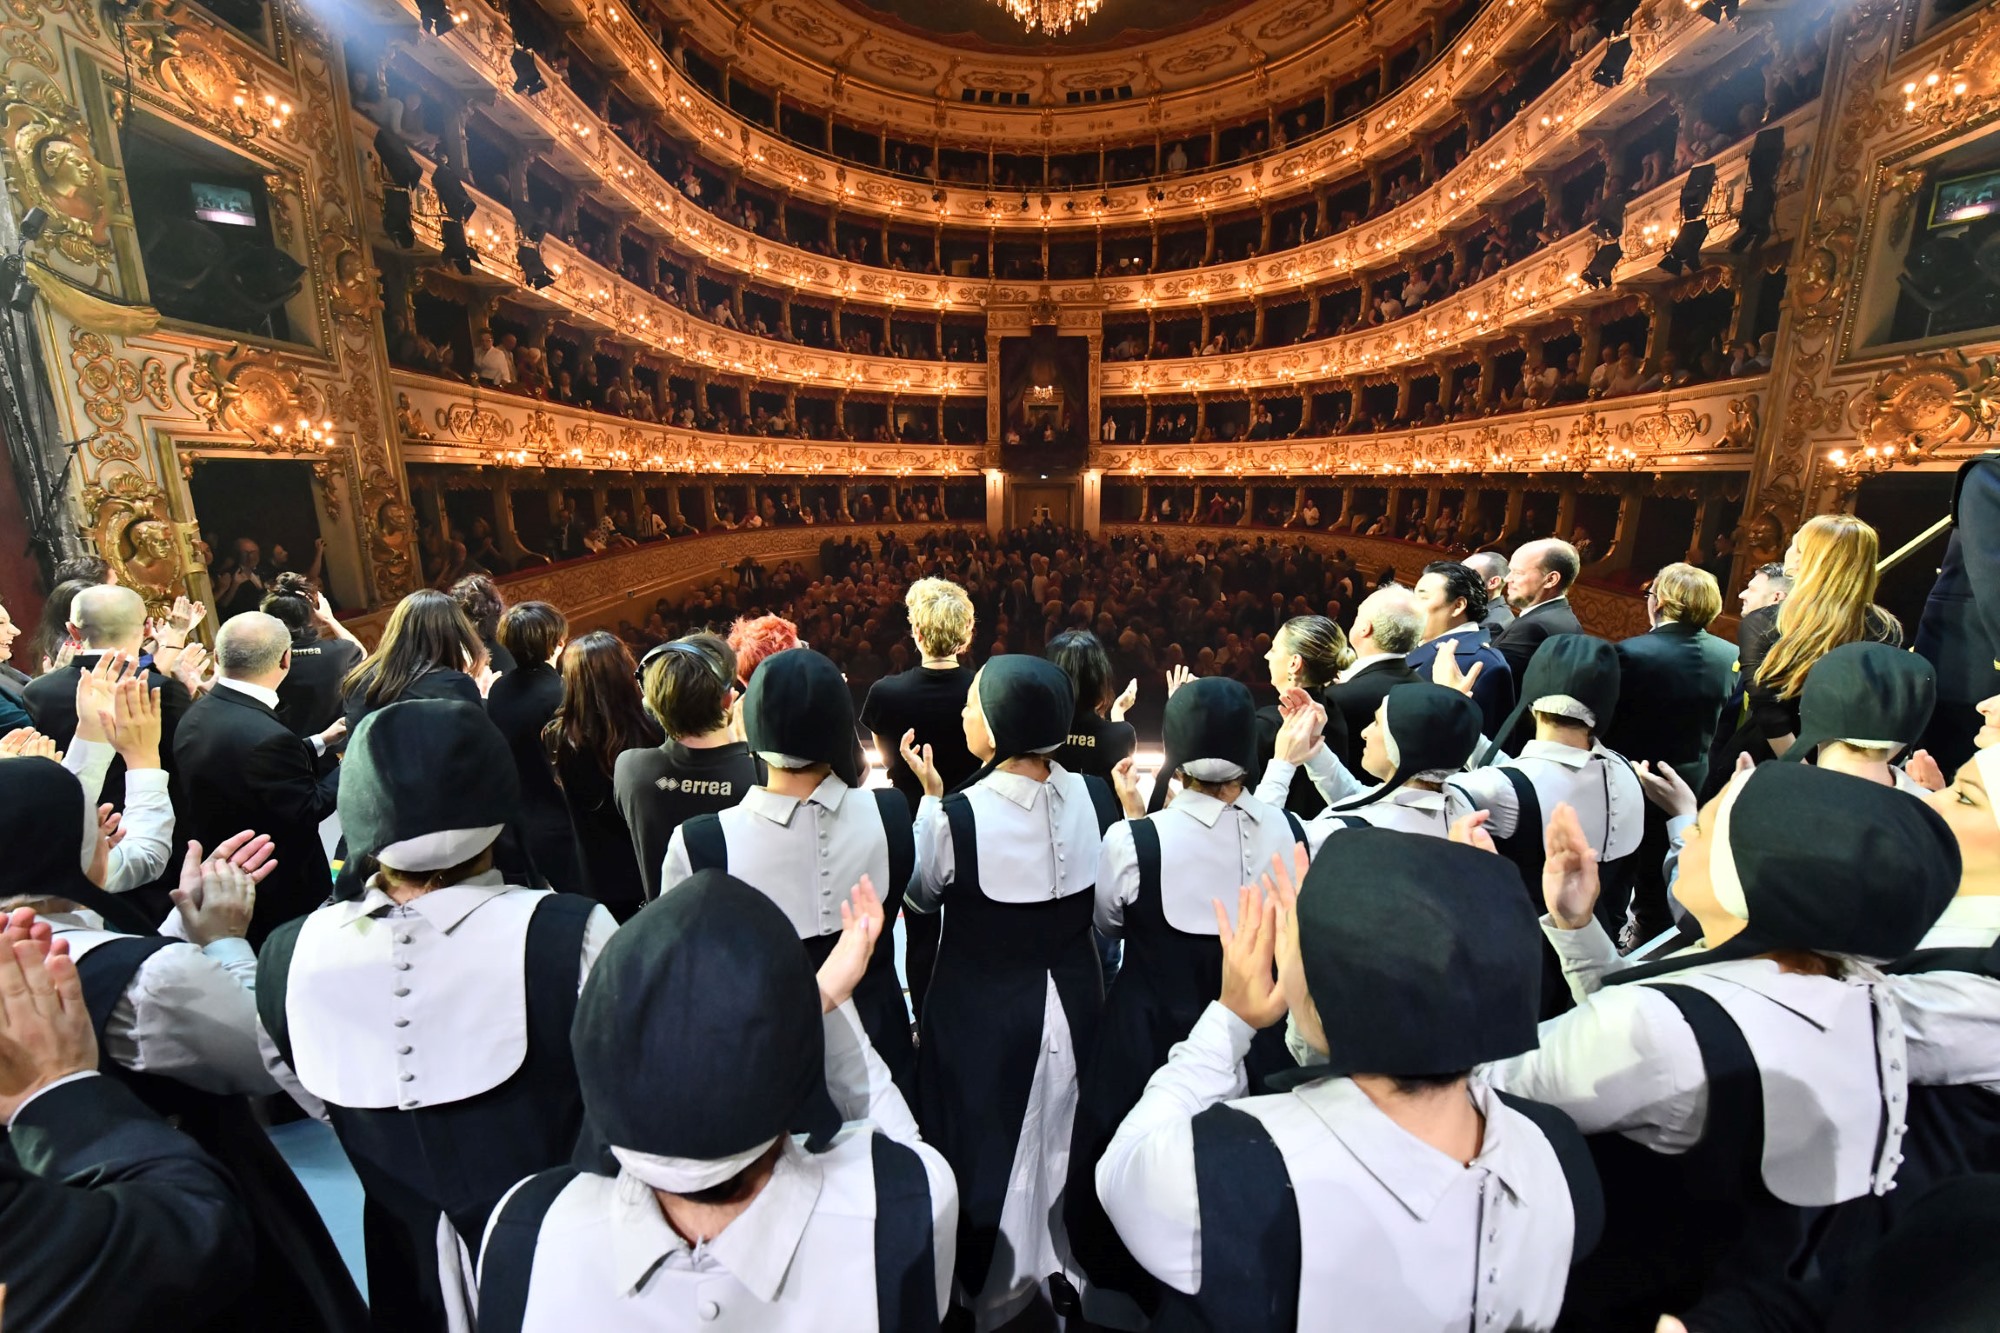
1098,735
520,704
601,717
429,650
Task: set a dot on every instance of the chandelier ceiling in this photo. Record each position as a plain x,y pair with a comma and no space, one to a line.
1053,17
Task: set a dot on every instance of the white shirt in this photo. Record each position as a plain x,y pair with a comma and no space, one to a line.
1407,809
1207,849
493,364
1362,663
1394,1235
802,855
1831,1054
1606,794
1037,840
189,1013
1953,1018
147,820
418,1004
798,1258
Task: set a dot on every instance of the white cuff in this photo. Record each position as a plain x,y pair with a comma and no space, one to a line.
230,949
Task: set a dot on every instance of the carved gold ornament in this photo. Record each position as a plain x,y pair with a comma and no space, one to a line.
1929,402
50,167
250,390
131,526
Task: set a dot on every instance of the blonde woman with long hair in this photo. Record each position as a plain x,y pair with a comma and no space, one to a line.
1831,562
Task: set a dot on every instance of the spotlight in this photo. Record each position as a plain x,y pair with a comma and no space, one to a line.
436,16
1717,10
33,222
1760,195
458,251
1685,252
15,288
396,221
1597,273
450,188
532,223
527,75
1611,70
533,271
1694,194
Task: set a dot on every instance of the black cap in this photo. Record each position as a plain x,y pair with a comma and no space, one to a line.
698,1033
1865,692
1422,956
1430,727
1212,717
1817,860
1581,666
798,704
1028,703
43,819
421,768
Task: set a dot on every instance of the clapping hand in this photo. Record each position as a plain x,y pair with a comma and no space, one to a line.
1125,781
860,928
919,759
1666,788
1924,771
1177,676
191,669
217,896
1569,871
1250,987
27,743
1471,831
65,651
1300,733
1126,698
111,824
45,1032
1281,885
1445,672
185,615
95,689
133,723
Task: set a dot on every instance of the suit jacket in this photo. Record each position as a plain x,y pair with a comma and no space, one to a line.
1493,691
1960,628
1673,684
51,702
13,700
111,1219
242,768
1517,643
1359,696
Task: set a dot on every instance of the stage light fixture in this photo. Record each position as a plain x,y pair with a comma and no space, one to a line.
1760,194
33,223
527,75
1597,273
458,251
1685,252
449,187
436,16
1717,10
533,271
15,287
397,224
1610,71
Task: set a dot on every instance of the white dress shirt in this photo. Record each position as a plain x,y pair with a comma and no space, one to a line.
798,1258
804,855
1393,1233
189,1013
1953,1018
419,1004
1037,840
147,820
1601,786
1361,664
1831,1053
1407,809
1207,849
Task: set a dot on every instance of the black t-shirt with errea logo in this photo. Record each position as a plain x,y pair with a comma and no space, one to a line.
660,787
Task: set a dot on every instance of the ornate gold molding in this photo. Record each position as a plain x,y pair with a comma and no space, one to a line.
131,525
50,166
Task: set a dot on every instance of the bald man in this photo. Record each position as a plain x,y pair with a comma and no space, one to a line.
1539,578
1387,627
106,618
1491,567
241,768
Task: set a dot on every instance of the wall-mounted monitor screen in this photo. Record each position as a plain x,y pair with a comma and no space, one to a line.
225,204
1966,199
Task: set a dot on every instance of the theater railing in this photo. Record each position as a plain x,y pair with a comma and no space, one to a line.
1697,427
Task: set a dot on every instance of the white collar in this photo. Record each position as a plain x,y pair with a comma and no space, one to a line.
1815,999
1417,798
1467,628
1361,664
1557,753
1206,809
1969,922
266,697
756,1249
779,809
1553,601
444,908
1412,1170
1021,789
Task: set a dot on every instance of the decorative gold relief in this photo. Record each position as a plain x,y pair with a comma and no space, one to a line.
50,166
251,390
1929,402
409,421
131,526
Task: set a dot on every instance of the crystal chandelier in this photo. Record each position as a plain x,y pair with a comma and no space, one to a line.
1054,17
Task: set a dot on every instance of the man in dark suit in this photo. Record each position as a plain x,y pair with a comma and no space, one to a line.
1386,628
1677,677
13,703
106,618
108,1216
1960,629
241,768
1491,567
1539,578
1451,598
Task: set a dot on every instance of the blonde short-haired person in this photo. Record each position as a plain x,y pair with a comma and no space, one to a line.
928,697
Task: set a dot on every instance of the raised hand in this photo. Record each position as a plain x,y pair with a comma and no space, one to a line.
1291,699
487,675
191,669
1177,676
1299,734
1126,698
1281,885
111,824
1250,987
133,723
185,615
1125,781
919,759
1471,831
1445,671
1666,788
1569,872
215,898
45,1032
1924,771
27,743
65,651
860,928
94,691
249,852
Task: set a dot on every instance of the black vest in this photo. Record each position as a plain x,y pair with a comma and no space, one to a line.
455,1159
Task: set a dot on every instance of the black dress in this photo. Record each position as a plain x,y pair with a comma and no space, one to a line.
520,704
437,683
309,698
603,842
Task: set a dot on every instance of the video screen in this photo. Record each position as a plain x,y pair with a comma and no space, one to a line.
225,204
1966,199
